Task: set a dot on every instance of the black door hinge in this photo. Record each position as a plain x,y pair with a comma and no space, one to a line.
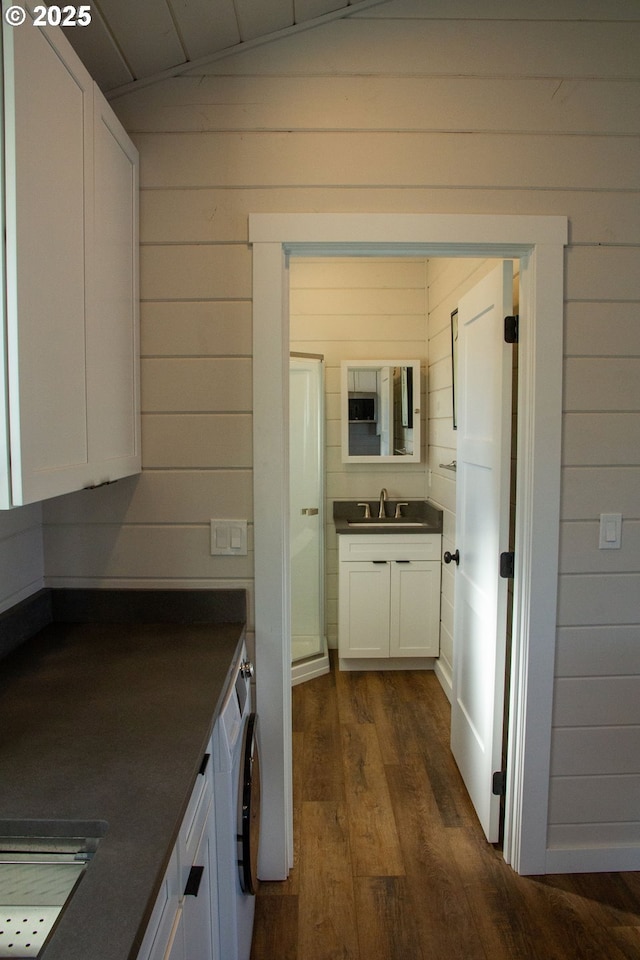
499,783
507,565
511,329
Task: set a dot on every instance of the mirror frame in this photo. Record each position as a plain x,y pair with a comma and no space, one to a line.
414,457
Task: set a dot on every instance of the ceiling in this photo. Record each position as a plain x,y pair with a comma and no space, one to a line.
136,41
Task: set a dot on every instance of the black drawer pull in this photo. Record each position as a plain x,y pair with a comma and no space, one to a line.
378,561
203,765
193,882
403,561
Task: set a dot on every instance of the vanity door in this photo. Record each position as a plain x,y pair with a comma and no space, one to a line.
363,616
415,604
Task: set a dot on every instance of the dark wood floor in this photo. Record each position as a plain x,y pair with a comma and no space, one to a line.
390,862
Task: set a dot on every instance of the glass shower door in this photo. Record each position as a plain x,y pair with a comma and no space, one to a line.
306,448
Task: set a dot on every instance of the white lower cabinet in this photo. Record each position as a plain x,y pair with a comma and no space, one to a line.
389,595
165,918
199,904
184,923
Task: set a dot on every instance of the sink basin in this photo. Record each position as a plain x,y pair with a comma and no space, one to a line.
389,522
38,875
361,516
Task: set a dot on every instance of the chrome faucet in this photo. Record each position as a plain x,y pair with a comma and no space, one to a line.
383,497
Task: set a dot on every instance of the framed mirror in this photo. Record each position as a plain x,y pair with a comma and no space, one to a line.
380,411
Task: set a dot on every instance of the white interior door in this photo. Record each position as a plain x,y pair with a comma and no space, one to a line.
482,530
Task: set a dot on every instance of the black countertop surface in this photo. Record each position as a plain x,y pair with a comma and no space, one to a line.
107,721
420,516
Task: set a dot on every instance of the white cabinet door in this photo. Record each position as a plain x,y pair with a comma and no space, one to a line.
112,302
366,381
415,609
162,929
363,615
175,949
197,904
48,157
69,357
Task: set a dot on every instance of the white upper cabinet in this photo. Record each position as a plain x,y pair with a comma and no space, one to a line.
69,380
113,348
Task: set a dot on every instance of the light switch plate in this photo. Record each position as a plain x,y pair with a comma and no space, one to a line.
229,538
610,531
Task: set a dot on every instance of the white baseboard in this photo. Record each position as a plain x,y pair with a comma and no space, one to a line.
443,674
386,663
593,860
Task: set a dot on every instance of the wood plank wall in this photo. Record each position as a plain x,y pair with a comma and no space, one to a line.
472,106
21,554
358,310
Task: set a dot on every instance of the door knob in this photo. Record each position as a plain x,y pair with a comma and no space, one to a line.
448,557
246,670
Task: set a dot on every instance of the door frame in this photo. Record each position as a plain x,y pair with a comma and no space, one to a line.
538,242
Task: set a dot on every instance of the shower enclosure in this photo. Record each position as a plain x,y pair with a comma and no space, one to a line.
309,654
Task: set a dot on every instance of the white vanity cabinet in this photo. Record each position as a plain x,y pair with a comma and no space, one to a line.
69,366
184,923
388,595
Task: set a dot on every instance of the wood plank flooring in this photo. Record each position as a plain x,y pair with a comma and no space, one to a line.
390,862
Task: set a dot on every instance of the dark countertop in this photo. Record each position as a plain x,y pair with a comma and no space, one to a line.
109,721
423,517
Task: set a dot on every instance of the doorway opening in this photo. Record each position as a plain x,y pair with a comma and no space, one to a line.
352,309
538,243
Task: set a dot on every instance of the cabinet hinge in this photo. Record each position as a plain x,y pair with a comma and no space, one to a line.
512,328
499,783
507,565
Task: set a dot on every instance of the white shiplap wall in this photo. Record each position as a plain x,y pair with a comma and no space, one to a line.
21,555
472,106
358,310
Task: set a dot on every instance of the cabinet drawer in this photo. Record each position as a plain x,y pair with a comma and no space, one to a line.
193,822
418,546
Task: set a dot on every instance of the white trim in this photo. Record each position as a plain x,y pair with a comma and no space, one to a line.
593,860
540,361
538,241
437,230
444,677
271,550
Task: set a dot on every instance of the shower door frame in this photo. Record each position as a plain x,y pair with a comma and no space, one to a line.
296,355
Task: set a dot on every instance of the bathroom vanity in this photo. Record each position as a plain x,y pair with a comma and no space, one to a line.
388,584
